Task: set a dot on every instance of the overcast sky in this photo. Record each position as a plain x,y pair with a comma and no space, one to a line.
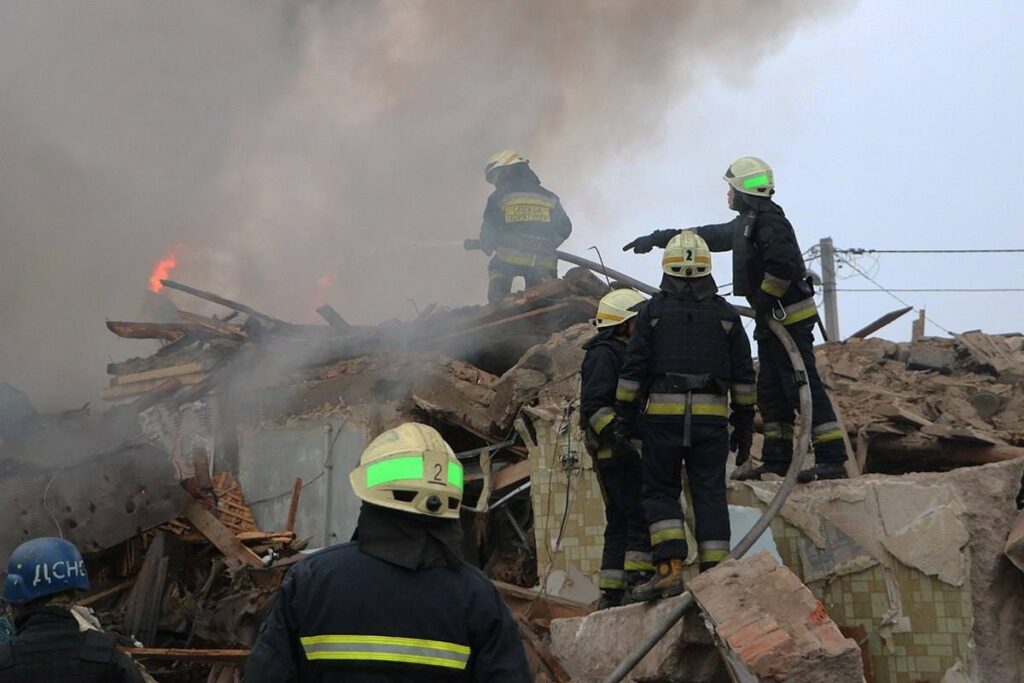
296,153
893,125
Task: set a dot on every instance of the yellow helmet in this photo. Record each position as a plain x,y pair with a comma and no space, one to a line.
614,308
752,176
410,468
506,157
687,255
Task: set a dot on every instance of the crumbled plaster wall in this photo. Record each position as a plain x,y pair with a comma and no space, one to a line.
915,561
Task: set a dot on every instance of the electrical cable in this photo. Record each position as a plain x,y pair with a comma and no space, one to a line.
887,291
858,251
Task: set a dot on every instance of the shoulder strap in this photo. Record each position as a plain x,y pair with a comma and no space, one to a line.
97,647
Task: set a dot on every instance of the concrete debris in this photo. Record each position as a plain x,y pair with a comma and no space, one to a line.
1015,543
773,626
930,404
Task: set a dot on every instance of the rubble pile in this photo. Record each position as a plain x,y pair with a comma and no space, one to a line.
930,404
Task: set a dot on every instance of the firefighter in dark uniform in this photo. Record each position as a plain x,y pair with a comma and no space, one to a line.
398,603
768,268
44,576
687,355
524,223
626,558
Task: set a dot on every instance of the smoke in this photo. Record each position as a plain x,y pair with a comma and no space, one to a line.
292,154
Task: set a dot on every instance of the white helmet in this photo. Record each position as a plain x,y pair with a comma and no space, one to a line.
752,176
506,157
687,255
614,308
410,468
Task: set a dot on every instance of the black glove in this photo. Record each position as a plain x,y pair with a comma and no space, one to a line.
742,437
1020,495
641,245
763,302
622,446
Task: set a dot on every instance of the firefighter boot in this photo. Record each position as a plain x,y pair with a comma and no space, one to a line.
822,470
611,597
758,473
634,579
666,582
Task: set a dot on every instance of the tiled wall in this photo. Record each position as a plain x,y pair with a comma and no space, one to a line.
940,615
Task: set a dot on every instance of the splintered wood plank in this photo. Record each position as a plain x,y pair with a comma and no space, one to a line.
219,535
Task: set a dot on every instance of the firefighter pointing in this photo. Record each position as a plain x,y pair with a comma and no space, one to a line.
768,269
398,603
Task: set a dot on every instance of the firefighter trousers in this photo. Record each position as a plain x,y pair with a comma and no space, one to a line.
502,274
627,546
779,400
664,457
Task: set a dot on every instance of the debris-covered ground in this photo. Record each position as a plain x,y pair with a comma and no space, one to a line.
153,488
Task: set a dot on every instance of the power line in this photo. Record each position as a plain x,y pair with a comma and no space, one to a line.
964,289
857,251
889,292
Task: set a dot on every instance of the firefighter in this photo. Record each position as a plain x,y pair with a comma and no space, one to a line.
44,576
398,603
687,355
626,558
524,223
768,269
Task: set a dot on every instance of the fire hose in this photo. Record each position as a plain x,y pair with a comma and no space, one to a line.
803,442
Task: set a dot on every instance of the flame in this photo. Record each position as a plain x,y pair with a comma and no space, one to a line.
160,272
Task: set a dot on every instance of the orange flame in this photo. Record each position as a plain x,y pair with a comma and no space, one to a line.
160,272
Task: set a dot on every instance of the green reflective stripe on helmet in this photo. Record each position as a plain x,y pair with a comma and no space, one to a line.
756,181
455,474
394,469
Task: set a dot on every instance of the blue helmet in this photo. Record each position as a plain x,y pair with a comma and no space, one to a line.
41,567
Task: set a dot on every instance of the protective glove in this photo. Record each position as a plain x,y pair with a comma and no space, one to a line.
763,302
622,446
641,245
742,437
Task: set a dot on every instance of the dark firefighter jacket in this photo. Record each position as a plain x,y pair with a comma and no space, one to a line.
51,648
599,375
766,256
688,351
346,615
522,217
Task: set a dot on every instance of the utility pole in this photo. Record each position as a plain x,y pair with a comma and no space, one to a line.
828,287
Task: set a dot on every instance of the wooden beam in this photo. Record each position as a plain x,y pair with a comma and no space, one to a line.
293,507
513,474
881,322
219,535
116,392
545,658
133,330
99,596
188,655
222,301
159,373
213,325
333,318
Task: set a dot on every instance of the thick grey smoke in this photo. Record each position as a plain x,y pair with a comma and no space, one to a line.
303,152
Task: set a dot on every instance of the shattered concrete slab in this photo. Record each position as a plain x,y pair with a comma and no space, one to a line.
772,625
1015,543
591,647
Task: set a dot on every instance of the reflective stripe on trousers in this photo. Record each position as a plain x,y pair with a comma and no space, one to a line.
667,530
799,312
637,561
826,431
712,552
386,649
675,404
611,579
